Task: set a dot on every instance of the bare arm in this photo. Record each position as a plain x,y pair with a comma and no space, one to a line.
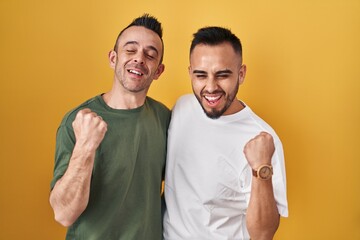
70,195
262,215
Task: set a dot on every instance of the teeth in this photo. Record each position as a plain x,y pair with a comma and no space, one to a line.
135,72
212,99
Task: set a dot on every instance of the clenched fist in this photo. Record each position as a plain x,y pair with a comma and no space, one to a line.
89,129
259,150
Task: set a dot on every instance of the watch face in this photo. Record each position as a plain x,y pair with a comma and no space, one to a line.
265,172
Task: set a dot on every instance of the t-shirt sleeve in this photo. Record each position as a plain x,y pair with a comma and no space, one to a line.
279,180
65,141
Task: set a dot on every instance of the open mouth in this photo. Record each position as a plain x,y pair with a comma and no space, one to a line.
212,100
135,72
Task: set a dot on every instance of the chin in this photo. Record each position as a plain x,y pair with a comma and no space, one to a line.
213,114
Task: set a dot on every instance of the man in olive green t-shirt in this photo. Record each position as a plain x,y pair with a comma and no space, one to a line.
111,150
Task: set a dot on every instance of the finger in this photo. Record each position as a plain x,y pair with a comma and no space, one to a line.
85,110
88,116
83,113
265,134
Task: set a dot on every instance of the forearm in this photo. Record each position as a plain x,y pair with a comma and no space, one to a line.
262,215
70,195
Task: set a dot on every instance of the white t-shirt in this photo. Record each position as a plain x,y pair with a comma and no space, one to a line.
208,179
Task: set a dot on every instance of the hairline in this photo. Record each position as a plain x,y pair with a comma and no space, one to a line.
116,47
237,52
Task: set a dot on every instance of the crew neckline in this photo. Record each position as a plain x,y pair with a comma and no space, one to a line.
106,106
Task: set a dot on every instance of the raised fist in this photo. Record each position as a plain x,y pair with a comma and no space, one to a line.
89,129
259,150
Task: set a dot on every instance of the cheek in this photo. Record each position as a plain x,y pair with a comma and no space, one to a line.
196,85
229,86
117,67
154,68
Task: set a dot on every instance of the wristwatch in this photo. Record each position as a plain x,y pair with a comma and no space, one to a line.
264,172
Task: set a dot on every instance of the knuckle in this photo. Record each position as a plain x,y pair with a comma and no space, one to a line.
83,111
79,114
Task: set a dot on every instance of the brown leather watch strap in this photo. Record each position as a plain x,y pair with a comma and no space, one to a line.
254,173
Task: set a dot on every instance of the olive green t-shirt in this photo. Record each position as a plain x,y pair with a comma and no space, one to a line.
125,187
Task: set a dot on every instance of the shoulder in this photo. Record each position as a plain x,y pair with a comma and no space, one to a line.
262,124
158,108
70,115
156,104
185,101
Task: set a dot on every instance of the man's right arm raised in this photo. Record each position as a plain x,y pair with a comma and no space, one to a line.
70,195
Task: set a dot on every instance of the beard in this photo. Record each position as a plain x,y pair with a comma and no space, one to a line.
216,113
133,85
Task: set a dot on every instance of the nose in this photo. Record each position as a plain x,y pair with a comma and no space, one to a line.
139,58
211,85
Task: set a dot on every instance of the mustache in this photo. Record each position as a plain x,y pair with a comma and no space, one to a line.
214,92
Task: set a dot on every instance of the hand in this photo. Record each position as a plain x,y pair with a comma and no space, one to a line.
89,129
259,150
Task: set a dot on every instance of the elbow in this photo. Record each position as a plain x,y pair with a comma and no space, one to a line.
62,215
63,220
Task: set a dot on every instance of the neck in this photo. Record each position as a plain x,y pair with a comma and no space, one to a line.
236,106
124,100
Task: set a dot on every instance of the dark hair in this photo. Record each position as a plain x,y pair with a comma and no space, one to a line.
214,36
149,22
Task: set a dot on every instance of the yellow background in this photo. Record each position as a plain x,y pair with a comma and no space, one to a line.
303,79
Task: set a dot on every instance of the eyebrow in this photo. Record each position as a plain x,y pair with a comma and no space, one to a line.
136,43
226,71
199,72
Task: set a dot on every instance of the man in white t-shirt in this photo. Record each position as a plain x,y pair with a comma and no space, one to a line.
225,172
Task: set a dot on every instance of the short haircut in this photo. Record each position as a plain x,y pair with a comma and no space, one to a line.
214,36
146,21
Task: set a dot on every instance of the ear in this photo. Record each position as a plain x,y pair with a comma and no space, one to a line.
242,73
159,71
112,58
189,70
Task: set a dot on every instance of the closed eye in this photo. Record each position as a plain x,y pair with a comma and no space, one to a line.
199,74
222,76
150,56
151,53
130,50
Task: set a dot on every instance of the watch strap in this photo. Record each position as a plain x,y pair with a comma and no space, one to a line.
254,172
